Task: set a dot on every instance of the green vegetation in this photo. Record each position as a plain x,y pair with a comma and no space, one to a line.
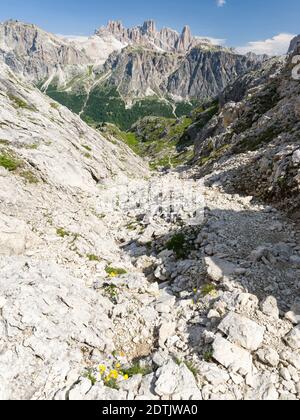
209,290
54,105
208,355
106,105
4,142
214,155
62,232
111,292
192,368
73,101
93,258
33,146
185,108
178,244
90,376
9,162
29,177
88,148
137,369
115,272
19,103
252,143
203,114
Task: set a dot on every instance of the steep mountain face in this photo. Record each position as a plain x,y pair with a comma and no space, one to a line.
36,54
139,72
253,142
203,74
294,44
41,136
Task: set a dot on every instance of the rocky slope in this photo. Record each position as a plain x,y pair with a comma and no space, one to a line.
254,139
36,54
108,291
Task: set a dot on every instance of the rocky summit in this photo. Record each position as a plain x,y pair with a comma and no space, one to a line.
153,258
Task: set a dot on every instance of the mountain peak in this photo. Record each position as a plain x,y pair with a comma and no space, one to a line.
149,27
148,35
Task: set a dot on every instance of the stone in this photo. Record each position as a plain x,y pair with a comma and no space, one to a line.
166,331
294,314
296,157
176,383
14,236
231,356
268,356
165,303
242,331
292,358
269,307
263,388
293,338
217,268
213,374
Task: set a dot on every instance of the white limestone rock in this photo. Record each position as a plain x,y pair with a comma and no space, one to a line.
231,356
213,374
217,268
242,331
176,383
268,356
293,338
270,308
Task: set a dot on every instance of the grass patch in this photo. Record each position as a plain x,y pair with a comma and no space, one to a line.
54,105
137,369
9,162
209,290
4,142
112,292
192,368
178,245
92,257
29,177
208,355
115,272
20,103
61,232
253,143
86,147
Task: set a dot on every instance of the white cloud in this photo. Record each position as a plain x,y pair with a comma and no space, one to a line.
214,41
278,45
221,3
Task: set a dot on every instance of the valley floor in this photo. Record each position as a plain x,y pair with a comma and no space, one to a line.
106,304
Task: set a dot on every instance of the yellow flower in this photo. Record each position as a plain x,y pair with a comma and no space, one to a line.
102,369
126,377
114,374
118,365
122,354
112,274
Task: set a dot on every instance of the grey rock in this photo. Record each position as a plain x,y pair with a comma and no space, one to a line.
269,307
293,338
176,382
231,356
242,331
268,356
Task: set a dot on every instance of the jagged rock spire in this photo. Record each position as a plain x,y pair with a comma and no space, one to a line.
185,39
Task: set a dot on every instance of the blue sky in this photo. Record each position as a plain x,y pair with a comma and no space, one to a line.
236,21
